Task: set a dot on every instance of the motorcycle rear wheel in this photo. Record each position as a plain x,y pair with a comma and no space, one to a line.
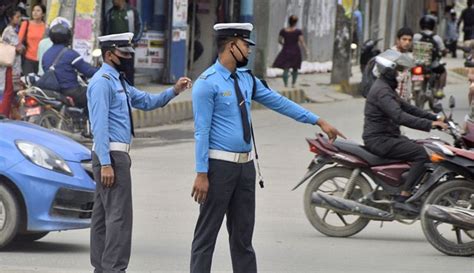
333,181
447,238
50,120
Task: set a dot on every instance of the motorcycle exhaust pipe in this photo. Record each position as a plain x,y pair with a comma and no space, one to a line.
460,217
347,206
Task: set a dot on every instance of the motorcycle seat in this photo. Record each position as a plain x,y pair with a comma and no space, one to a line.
361,152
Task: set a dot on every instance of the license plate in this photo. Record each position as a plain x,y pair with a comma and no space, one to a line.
417,78
33,111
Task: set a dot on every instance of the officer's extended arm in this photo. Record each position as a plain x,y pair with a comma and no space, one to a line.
146,101
283,105
99,95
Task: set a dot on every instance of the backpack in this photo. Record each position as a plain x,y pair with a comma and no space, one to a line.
428,38
368,78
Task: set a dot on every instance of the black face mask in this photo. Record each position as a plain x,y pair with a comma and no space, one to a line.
122,67
390,77
244,60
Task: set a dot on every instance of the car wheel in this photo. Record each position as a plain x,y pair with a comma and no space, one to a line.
9,215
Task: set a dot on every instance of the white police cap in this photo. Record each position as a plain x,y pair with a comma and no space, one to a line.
240,30
120,41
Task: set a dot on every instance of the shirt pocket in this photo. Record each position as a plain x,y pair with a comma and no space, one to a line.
226,105
121,100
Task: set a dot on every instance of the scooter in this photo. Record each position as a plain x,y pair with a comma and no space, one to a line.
367,52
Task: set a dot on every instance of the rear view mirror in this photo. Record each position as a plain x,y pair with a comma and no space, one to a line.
452,102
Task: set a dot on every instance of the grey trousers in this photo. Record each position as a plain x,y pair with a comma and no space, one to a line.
231,193
111,228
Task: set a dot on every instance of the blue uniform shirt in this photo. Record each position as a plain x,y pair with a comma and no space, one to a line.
217,120
108,110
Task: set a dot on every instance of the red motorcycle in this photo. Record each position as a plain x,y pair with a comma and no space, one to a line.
350,186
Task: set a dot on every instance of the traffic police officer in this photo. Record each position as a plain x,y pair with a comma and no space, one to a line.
110,99
225,180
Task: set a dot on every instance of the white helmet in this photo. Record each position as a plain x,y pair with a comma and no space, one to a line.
60,20
392,59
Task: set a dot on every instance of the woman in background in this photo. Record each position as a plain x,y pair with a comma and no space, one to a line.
10,76
290,55
31,33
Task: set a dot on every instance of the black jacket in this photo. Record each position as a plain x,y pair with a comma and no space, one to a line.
385,111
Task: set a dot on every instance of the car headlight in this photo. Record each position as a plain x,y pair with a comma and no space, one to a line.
43,157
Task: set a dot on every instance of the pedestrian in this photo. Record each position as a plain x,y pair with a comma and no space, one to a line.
404,44
451,34
467,19
225,179
291,38
10,76
31,33
124,18
110,98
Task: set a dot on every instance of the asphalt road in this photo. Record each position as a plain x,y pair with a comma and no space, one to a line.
165,214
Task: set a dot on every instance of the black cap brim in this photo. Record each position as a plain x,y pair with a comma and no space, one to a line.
252,43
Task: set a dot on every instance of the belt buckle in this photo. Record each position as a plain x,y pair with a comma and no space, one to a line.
243,158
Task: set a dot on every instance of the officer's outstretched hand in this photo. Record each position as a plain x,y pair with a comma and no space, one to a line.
182,84
200,188
331,131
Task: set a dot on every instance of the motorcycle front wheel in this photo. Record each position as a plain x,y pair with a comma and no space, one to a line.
333,181
445,237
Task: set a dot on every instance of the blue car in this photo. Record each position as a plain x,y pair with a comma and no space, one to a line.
46,182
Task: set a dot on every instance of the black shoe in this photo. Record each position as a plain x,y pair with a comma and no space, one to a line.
400,198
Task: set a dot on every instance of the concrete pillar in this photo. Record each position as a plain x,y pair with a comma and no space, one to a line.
341,64
262,37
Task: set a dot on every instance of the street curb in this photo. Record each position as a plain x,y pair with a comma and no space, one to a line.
183,110
348,88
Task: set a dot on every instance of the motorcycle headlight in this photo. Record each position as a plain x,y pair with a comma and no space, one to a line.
43,157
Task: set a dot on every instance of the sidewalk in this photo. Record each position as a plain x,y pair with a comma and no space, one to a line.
312,88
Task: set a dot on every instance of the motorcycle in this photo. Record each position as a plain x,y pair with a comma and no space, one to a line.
447,218
350,186
367,52
54,111
425,82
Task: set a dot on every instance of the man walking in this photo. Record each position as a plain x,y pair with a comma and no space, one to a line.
225,180
110,101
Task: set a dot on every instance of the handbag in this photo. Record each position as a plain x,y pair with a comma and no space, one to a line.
49,81
7,54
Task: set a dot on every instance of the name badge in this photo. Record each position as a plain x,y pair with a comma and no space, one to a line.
226,94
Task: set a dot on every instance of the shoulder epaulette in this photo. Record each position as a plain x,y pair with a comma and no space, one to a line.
106,76
207,73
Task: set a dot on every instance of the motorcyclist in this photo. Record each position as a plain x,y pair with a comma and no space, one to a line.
68,66
428,34
385,111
